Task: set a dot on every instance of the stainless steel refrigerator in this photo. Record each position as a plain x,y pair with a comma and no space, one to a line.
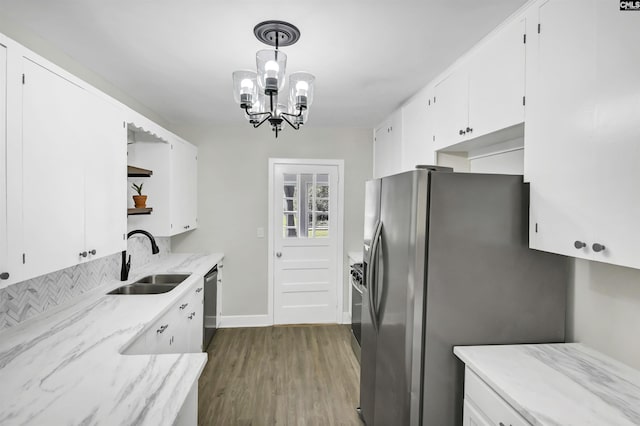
446,262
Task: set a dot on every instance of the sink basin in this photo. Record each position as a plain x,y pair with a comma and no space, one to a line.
163,279
152,284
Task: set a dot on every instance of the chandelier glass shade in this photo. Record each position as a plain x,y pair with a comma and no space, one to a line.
261,93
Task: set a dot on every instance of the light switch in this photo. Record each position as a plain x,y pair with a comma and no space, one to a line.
260,232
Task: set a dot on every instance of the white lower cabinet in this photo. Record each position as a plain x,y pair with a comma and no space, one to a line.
472,417
179,330
484,407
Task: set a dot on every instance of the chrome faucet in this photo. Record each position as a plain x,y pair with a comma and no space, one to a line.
126,264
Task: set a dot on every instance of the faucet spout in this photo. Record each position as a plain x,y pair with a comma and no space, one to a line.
126,264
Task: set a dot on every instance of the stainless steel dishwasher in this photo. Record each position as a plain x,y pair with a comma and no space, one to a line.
210,306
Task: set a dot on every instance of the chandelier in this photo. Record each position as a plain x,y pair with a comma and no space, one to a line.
260,94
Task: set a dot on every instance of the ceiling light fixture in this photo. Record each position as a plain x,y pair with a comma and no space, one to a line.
258,93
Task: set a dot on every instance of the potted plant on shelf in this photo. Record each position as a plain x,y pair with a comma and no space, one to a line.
139,200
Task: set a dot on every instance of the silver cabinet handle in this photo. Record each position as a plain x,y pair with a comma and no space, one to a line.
4,276
598,247
198,290
162,329
184,305
83,254
279,254
579,244
93,252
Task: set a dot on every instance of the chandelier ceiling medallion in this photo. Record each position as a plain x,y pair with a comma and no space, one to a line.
260,94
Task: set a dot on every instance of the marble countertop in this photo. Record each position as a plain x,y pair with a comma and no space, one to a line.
67,368
559,384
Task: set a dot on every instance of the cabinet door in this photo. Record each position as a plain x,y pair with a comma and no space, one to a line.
4,258
417,131
183,186
196,319
387,149
560,128
53,147
452,108
615,174
472,416
160,334
105,179
496,82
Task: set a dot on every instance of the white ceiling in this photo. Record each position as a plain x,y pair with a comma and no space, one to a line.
176,57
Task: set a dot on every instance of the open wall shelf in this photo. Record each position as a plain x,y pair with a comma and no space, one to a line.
133,171
134,212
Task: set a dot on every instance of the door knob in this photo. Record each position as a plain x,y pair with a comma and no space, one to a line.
4,276
579,244
278,254
598,247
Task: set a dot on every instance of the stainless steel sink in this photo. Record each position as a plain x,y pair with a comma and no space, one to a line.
163,279
152,284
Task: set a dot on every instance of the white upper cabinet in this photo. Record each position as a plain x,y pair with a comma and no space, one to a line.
73,165
105,179
485,92
6,271
452,108
496,81
184,186
53,170
387,150
172,190
582,133
418,130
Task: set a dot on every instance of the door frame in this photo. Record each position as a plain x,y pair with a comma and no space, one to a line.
339,226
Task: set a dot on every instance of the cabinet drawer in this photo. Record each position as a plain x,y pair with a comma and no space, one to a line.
489,402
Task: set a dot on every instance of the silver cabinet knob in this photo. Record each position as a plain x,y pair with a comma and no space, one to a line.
279,254
83,254
93,252
4,276
162,328
184,305
198,290
579,244
598,247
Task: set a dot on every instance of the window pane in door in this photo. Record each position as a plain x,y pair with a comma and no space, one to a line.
322,225
290,206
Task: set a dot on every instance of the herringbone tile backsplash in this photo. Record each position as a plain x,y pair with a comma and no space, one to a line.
27,299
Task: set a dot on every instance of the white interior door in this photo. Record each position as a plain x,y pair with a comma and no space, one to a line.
305,231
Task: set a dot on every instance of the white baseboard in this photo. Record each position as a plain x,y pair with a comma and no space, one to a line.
239,321
346,318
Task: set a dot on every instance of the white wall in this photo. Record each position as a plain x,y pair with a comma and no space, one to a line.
604,309
232,199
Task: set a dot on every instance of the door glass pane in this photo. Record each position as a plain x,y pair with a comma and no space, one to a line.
322,186
305,205
290,206
322,225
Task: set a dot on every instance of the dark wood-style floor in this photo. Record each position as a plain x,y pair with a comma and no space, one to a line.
295,375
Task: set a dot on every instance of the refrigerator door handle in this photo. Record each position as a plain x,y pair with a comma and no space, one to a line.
372,279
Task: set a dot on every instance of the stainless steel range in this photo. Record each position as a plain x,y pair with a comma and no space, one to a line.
356,279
